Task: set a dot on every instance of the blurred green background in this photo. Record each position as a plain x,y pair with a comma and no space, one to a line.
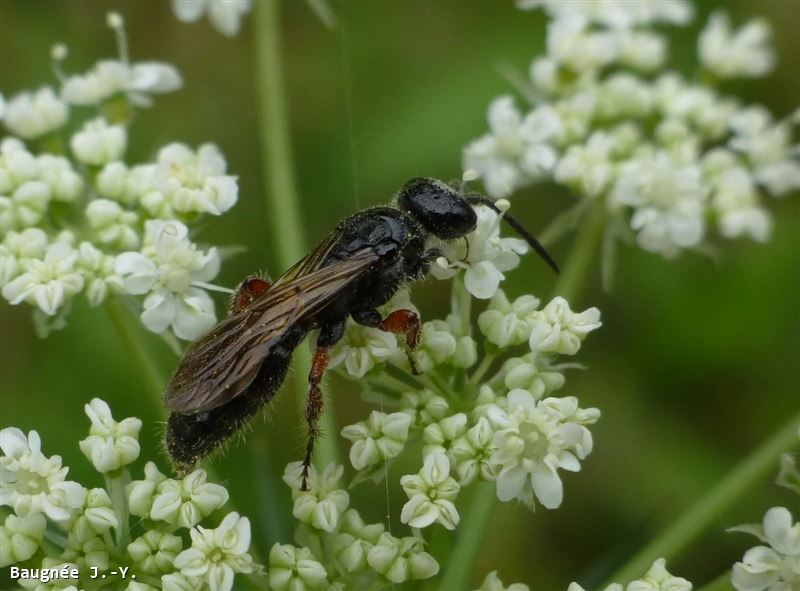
695,365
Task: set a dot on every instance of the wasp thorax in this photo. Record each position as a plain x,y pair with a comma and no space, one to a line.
437,207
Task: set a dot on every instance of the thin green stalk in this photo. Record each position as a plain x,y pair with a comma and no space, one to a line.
483,367
683,531
139,354
471,538
283,205
475,520
115,485
582,255
721,583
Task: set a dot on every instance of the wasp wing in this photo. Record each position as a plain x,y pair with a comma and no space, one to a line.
221,365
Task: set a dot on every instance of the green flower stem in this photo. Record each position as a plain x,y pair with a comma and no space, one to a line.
483,367
471,537
583,253
721,583
137,352
461,303
115,485
727,492
283,206
475,520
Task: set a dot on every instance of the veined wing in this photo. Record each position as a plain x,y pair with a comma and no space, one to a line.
219,367
309,263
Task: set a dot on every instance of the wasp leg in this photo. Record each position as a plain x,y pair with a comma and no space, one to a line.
398,322
247,291
328,337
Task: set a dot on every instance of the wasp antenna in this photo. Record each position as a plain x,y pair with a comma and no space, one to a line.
518,227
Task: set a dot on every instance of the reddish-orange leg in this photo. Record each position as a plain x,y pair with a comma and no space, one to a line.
248,290
314,405
398,322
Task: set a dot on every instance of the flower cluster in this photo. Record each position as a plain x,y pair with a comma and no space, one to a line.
56,522
665,156
76,217
775,564
657,578
225,15
336,548
508,427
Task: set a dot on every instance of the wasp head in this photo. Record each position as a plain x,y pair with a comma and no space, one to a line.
437,207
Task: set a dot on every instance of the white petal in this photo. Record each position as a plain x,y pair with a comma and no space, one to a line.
482,280
188,10
155,77
160,309
547,485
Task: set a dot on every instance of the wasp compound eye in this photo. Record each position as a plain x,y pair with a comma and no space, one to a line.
438,208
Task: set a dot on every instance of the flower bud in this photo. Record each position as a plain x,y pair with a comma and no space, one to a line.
110,445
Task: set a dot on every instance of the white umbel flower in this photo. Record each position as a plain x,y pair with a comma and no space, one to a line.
401,559
354,541
32,115
142,492
324,502
110,77
98,142
26,206
110,444
734,201
154,552
20,537
166,269
381,437
533,372
657,578
533,441
218,554
112,224
431,493
557,329
768,147
616,14
775,566
505,323
17,165
667,197
225,15
425,406
571,43
49,282
195,182
589,167
489,256
294,569
729,54
181,502
59,174
493,583
362,348
517,149
32,483
94,518
98,272
472,453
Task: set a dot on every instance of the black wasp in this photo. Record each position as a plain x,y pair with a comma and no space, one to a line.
225,377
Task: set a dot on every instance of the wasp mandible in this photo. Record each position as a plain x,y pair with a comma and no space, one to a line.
225,377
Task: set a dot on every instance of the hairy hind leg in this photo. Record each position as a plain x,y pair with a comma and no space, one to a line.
328,337
405,322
